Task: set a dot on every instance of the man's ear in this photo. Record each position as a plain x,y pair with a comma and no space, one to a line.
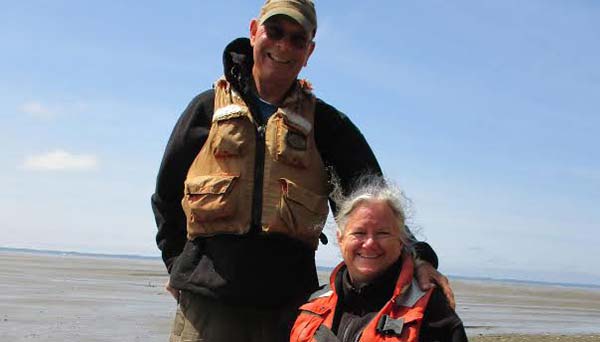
339,236
311,48
253,30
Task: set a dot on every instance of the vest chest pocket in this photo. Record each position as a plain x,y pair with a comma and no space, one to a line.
303,211
229,138
292,146
209,198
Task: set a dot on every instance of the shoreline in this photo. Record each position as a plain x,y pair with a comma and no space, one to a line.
320,268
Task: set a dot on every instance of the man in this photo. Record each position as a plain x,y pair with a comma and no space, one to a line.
241,194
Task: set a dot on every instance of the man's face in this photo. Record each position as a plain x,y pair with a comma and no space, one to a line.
371,241
281,48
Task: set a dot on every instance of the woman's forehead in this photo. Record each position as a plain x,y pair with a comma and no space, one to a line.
372,214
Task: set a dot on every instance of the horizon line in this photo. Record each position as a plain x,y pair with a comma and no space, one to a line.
323,268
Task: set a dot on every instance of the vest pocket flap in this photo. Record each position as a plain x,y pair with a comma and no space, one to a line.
209,185
308,199
315,308
209,198
229,112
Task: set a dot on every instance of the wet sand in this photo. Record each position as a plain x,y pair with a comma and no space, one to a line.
72,298
64,297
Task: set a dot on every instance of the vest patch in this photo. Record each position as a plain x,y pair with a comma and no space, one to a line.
296,141
297,121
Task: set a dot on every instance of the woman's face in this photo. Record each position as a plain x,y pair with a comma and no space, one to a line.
371,241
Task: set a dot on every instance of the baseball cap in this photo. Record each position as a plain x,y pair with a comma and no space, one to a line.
302,11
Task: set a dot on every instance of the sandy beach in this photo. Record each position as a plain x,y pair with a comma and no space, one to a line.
56,298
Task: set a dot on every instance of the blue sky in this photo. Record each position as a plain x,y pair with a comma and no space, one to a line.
486,113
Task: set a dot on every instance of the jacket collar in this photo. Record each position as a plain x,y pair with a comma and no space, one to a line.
237,65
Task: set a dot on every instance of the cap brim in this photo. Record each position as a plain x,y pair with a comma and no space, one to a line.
289,12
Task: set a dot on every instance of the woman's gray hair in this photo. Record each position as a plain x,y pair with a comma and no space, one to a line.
369,189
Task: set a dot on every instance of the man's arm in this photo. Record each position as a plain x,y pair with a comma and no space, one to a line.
440,321
188,136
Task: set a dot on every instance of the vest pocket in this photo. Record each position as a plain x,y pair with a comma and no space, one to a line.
302,211
228,139
292,146
209,198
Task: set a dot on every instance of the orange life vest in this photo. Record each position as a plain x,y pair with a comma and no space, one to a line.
400,318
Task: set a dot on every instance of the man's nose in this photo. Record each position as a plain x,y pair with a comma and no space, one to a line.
285,43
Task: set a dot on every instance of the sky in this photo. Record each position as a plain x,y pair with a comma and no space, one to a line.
485,113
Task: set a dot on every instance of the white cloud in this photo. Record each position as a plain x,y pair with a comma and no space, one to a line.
60,160
40,110
37,110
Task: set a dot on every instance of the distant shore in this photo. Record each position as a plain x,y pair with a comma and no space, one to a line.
56,297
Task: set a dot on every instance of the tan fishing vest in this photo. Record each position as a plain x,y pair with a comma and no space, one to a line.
219,187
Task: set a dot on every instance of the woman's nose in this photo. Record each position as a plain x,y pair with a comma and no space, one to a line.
369,241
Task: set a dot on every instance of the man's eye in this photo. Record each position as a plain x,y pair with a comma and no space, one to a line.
274,32
299,40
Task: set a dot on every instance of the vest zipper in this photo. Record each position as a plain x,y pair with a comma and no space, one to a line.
259,165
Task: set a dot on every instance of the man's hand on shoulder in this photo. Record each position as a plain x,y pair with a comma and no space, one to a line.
428,277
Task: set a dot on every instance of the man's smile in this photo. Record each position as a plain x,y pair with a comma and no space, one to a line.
277,59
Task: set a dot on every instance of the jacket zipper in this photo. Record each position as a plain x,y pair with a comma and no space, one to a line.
259,165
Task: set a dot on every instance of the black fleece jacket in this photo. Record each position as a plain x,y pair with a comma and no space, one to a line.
254,269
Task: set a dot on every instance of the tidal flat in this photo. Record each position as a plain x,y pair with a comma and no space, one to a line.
54,297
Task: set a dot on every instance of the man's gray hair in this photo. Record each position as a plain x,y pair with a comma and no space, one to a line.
370,189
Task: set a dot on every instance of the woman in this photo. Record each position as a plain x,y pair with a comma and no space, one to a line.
372,295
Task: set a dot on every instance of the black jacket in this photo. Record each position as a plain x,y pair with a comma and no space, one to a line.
253,269
356,308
